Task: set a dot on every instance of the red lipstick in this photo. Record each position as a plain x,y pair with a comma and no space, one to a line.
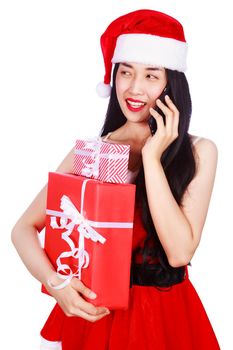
132,100
132,107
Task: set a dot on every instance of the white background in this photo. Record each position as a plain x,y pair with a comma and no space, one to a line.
50,62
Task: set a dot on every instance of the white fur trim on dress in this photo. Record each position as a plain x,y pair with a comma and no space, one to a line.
152,50
50,345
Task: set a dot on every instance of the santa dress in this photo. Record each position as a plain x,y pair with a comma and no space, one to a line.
171,318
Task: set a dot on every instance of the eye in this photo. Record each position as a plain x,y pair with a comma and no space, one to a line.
152,77
126,73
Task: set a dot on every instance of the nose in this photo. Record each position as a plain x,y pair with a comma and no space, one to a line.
136,87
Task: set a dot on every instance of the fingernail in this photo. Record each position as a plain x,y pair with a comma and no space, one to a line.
92,295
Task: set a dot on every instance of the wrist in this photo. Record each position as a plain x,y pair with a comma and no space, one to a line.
53,278
58,282
149,158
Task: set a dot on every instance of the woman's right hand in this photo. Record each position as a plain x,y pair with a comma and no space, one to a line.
73,304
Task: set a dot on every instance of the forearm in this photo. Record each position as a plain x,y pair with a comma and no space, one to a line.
26,242
173,228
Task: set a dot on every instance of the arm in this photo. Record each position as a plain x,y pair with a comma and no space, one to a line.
179,230
25,238
24,233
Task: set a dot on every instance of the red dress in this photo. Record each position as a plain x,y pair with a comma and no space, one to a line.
174,319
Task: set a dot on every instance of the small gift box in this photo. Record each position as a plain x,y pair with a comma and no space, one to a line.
101,160
88,235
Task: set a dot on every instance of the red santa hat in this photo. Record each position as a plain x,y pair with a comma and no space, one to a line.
143,36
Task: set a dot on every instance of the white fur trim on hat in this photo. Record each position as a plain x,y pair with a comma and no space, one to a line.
151,49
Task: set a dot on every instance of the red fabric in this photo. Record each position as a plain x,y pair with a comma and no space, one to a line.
156,320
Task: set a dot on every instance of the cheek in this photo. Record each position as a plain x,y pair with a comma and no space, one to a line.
121,86
154,94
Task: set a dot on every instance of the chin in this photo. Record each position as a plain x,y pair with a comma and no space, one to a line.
136,116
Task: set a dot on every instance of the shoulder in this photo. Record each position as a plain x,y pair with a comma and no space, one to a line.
203,143
205,150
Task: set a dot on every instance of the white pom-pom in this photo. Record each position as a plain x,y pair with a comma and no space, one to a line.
103,90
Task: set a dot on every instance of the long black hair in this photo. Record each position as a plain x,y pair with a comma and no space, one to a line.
178,162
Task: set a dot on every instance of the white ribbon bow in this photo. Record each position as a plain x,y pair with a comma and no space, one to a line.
71,219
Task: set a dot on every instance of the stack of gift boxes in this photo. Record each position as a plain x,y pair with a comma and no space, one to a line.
89,221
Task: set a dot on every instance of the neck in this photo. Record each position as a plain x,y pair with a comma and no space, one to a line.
135,132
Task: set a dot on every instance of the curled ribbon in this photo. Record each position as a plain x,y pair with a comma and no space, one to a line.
92,169
71,219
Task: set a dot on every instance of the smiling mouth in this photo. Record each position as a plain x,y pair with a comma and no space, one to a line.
135,105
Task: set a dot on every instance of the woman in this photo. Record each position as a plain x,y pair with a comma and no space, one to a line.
174,180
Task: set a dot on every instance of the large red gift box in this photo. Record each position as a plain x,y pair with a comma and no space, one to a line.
89,227
97,159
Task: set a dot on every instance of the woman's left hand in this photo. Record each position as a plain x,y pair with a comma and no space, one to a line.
165,134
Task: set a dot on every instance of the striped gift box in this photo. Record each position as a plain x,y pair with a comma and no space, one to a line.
101,160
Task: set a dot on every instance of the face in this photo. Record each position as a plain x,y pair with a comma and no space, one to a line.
137,87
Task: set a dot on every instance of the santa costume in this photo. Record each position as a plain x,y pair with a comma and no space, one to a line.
165,318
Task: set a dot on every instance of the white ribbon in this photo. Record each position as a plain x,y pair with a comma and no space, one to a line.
70,219
92,169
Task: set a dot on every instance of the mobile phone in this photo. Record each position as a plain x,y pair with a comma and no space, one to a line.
151,121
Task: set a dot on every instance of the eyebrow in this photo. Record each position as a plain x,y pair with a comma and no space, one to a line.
148,68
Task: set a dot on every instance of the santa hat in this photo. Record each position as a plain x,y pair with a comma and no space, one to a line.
143,36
